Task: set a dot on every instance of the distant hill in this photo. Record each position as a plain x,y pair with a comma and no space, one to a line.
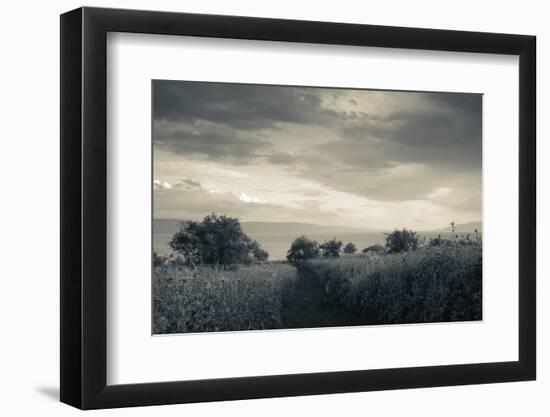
295,228
170,226
461,228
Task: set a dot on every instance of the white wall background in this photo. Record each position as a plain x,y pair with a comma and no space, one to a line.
29,237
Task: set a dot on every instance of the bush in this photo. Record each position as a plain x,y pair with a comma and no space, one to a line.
376,249
331,248
205,299
460,241
431,284
401,241
158,260
217,240
258,253
301,250
350,248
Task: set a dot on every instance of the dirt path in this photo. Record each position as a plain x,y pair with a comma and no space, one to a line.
310,308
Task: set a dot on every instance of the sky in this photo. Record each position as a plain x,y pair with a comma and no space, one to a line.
367,159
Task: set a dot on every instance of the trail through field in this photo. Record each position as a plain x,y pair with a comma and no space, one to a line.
309,307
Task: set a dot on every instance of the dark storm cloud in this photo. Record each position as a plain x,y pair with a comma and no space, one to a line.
469,103
211,141
240,106
281,158
448,134
403,151
405,154
226,121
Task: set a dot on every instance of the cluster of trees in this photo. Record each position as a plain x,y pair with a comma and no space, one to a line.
396,242
220,240
216,240
303,249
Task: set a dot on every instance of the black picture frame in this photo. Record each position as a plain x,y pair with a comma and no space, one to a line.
84,207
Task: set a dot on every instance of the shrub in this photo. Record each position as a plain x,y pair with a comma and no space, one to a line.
431,284
258,253
217,240
350,248
377,249
331,248
158,260
205,299
302,249
401,241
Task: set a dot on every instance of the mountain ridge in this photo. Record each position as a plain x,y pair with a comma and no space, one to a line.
170,226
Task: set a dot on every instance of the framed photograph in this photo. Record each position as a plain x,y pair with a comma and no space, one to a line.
257,208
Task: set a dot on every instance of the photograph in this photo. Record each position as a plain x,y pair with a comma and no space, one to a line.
301,207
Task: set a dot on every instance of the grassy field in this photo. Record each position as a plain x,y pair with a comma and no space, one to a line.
206,299
430,284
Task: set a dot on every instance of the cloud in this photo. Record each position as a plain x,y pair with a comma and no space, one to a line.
404,154
194,204
282,158
188,184
241,106
250,199
384,147
159,185
208,141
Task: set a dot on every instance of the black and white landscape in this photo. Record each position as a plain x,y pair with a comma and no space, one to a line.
298,207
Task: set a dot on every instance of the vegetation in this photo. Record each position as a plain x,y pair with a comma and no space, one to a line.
331,248
400,241
217,240
375,249
205,299
219,279
430,284
350,248
301,250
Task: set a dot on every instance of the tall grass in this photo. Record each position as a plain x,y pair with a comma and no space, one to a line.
430,284
207,299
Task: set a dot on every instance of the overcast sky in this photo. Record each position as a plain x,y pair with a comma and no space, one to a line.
357,158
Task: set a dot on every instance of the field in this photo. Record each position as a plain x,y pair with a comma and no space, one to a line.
430,284
215,299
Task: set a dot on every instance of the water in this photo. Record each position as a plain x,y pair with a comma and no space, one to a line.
278,244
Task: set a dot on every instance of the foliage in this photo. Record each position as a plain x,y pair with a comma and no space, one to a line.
302,249
376,249
258,253
350,248
331,248
431,284
401,241
205,299
462,240
217,240
158,260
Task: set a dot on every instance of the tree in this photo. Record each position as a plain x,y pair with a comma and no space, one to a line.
331,248
302,249
350,248
217,240
376,248
258,253
158,260
401,241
